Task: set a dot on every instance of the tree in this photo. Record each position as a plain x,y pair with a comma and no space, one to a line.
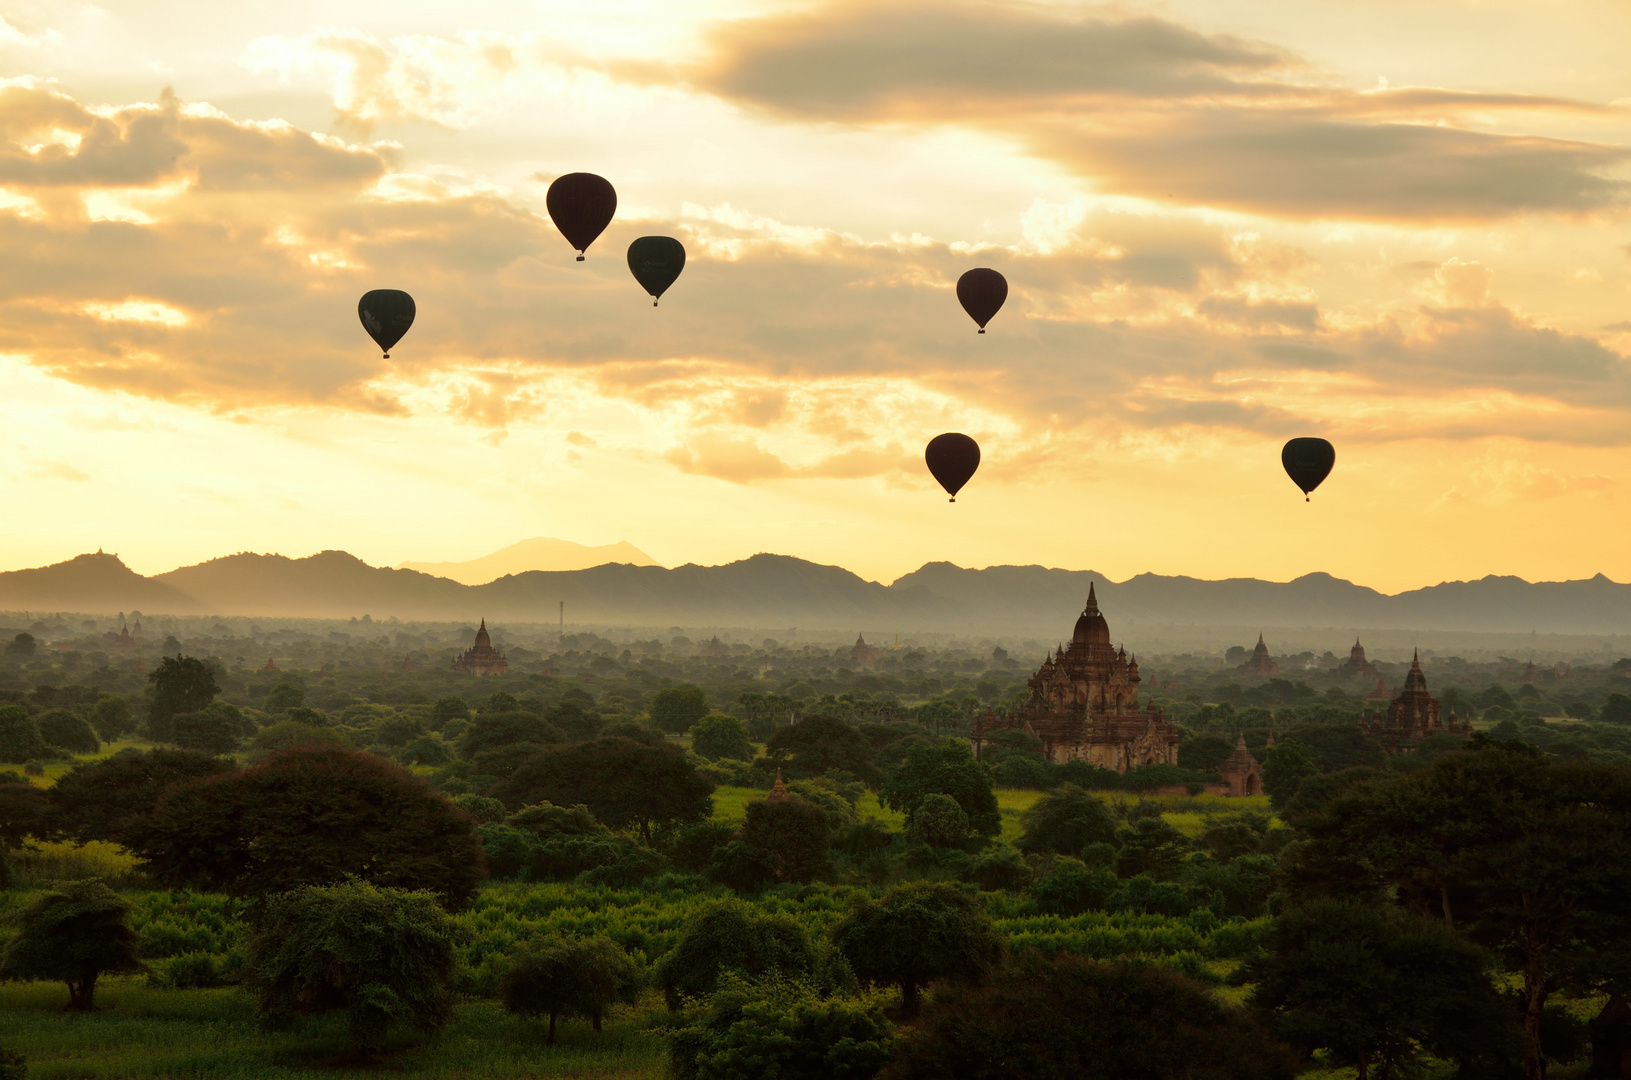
624,783
383,956
67,731
312,816
1231,838
1285,766
676,708
791,838
20,739
939,822
74,935
1616,710
566,977
113,799
448,708
1376,988
1527,856
110,716
947,768
549,843
731,936
208,732
285,696
748,1029
1074,888
1070,1018
920,933
718,736
1065,822
507,730
180,684
821,744
22,646
1152,847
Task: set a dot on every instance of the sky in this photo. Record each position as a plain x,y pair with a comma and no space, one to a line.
1401,226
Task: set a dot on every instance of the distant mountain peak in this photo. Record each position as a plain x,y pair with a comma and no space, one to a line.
539,553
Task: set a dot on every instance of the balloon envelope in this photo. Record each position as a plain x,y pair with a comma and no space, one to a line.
656,261
581,205
952,459
1308,462
981,292
386,314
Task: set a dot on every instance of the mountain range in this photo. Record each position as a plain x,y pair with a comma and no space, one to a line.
778,592
539,553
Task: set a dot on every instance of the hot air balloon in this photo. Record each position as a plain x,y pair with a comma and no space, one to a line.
952,459
386,314
1308,462
581,205
981,292
655,262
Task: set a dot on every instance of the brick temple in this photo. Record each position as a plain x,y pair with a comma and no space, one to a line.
1084,705
1260,662
1412,716
1356,666
481,658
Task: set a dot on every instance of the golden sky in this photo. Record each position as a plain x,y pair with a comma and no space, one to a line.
1403,226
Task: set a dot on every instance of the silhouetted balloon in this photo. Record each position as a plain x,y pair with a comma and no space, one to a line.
656,261
952,459
386,314
981,292
1308,462
581,205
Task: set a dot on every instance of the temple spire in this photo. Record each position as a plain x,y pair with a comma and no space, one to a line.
1092,600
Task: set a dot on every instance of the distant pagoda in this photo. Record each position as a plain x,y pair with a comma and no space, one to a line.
861,652
1412,716
1260,663
481,658
1356,666
1084,705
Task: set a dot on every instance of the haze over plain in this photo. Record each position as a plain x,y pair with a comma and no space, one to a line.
1403,227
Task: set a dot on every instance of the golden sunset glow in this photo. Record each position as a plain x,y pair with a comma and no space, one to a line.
1404,227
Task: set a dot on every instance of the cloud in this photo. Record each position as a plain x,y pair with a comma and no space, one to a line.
1148,107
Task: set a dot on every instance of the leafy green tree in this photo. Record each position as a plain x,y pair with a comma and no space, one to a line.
290,734
111,718
625,784
718,736
1065,821
1337,746
821,744
312,816
382,956
507,731
448,708
20,739
426,750
180,684
939,822
285,696
1151,847
113,799
790,836
207,732
1073,888
777,1027
1285,766
22,646
1527,856
1243,887
570,977
732,936
67,732
948,768
1233,837
1377,989
74,935
676,708
1070,1018
1616,710
917,934
549,843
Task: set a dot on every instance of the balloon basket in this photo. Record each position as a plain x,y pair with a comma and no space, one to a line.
982,329
580,258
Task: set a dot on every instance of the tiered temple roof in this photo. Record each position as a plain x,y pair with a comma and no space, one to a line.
1412,716
481,658
1356,666
1241,772
1260,662
1084,705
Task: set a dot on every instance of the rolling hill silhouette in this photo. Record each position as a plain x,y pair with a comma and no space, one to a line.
778,591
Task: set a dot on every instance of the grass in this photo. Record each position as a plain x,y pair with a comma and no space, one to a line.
141,1032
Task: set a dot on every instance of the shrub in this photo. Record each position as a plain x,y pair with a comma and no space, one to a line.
778,1027
75,936
939,822
382,956
731,936
68,732
1072,888
563,977
13,1066
1066,1017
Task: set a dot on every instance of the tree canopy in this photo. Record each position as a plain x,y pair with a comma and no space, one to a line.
74,934
920,933
1065,821
821,744
676,708
180,684
946,768
625,784
112,799
569,977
